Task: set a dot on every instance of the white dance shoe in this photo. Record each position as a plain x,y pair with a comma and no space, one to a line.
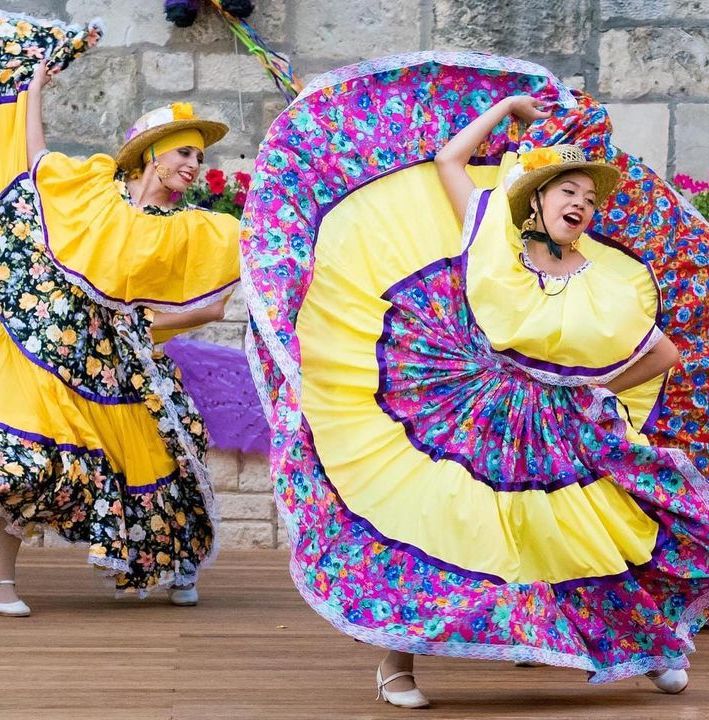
14,609
406,699
183,596
669,681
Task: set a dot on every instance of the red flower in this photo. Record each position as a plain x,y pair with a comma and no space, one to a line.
240,198
216,180
243,179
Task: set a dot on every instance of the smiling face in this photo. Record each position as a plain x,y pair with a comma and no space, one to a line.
181,167
568,203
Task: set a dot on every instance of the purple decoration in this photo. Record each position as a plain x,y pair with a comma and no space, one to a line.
219,381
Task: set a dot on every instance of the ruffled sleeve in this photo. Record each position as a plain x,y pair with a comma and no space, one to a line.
122,257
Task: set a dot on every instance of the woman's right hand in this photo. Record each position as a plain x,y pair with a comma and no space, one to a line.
42,77
528,108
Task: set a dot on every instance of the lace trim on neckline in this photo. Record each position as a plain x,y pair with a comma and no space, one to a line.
528,264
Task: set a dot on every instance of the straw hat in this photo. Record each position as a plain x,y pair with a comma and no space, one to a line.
160,122
536,167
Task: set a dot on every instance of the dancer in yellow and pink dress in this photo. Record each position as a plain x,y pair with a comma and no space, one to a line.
460,426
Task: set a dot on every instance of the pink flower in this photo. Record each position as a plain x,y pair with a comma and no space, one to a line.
37,270
108,377
23,207
34,51
42,309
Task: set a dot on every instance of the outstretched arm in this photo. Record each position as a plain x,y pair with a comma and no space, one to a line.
191,318
35,127
453,157
657,361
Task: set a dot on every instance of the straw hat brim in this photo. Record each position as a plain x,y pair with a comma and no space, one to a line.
605,178
130,156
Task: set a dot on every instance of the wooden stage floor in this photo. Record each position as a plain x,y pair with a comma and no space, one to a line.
252,650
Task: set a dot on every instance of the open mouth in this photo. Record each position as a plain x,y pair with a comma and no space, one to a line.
572,219
187,177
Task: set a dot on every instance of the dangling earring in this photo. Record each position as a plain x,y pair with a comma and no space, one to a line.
530,223
162,172
574,244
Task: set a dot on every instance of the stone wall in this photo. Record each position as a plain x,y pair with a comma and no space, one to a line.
648,60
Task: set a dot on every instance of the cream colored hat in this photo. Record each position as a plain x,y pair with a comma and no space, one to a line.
538,166
159,123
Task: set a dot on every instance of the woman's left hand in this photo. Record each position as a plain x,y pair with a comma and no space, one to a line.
41,78
528,108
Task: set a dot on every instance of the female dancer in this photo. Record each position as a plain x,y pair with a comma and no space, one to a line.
455,469
98,440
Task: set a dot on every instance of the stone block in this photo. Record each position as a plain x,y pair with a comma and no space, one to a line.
255,474
235,310
234,506
228,334
47,9
127,22
170,72
281,534
575,82
270,20
245,534
93,102
517,29
637,11
356,29
642,130
223,467
692,140
244,128
651,61
271,110
209,28
232,72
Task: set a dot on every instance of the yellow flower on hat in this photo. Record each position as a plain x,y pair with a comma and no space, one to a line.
182,111
538,158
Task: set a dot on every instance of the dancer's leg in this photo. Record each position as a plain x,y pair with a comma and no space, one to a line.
9,546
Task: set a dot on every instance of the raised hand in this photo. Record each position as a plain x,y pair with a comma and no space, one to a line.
528,108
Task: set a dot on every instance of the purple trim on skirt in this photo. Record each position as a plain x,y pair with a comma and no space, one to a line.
95,453
12,97
50,442
562,586
654,415
566,370
131,399
106,296
152,487
22,176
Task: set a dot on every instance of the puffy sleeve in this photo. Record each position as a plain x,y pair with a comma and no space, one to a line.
122,257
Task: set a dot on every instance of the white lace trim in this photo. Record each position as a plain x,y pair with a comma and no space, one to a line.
198,468
514,653
470,214
530,265
288,365
257,374
551,378
452,58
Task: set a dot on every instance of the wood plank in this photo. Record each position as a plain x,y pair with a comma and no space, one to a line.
84,655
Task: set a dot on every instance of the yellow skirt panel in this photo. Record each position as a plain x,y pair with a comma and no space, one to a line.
35,401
